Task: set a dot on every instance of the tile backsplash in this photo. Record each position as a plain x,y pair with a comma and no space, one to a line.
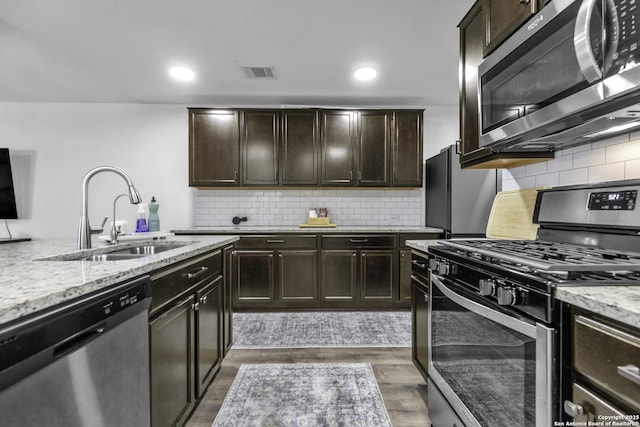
613,159
290,207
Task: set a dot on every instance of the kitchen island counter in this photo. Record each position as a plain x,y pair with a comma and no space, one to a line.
29,284
313,230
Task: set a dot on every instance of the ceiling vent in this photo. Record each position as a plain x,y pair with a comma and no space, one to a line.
259,72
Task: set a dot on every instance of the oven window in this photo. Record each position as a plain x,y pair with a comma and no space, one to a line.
543,70
490,367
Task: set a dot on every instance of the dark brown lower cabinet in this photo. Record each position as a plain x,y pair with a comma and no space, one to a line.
254,274
377,278
297,275
358,275
404,265
339,275
419,327
209,329
172,365
227,296
185,336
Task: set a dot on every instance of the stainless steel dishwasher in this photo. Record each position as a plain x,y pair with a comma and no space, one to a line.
82,363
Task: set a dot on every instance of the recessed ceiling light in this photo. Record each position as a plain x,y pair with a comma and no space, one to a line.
365,73
182,73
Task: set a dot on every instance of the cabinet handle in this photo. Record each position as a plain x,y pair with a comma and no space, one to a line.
630,372
235,176
358,240
350,175
359,176
203,299
573,409
458,143
524,1
195,306
402,255
419,264
275,241
426,298
196,273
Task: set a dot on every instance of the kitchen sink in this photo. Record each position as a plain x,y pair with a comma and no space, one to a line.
116,254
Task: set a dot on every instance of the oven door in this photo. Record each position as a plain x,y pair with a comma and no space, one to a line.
492,367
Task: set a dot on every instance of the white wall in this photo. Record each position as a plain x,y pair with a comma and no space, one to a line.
53,146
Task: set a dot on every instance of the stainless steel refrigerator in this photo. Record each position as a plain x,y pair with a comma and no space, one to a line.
458,200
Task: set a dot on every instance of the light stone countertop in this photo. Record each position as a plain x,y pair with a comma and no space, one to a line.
28,284
295,229
621,303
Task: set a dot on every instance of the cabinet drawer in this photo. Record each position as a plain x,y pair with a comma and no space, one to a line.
609,357
402,238
420,266
595,407
358,241
169,283
276,242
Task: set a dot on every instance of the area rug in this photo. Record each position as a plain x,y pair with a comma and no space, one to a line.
322,329
303,394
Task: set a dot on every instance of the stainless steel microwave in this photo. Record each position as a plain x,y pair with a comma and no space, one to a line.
569,76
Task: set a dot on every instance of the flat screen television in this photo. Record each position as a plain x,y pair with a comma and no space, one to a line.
8,209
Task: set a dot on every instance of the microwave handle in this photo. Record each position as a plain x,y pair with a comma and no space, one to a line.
582,42
486,312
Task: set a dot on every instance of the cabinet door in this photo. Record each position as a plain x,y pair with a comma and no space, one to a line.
172,365
253,276
405,274
213,148
419,327
377,275
337,157
407,149
374,148
260,148
338,276
471,45
299,145
209,333
503,17
298,274
227,312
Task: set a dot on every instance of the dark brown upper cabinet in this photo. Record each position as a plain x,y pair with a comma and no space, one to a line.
259,145
374,149
337,133
503,17
299,148
407,149
309,148
214,147
472,41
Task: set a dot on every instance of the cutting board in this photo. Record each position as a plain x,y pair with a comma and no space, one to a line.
511,215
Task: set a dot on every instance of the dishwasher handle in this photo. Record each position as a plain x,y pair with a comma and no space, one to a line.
78,340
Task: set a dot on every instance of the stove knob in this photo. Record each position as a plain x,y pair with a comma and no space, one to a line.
433,264
444,268
487,287
507,295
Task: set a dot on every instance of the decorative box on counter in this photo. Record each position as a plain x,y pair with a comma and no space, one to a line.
318,217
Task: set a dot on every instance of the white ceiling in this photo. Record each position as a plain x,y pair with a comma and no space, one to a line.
120,50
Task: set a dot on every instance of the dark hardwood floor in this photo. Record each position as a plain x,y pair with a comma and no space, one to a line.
403,389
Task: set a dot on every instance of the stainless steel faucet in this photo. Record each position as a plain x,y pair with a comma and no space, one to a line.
85,230
114,230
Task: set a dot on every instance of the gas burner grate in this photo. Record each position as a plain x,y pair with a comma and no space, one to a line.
548,257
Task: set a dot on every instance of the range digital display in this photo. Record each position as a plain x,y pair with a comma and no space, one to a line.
613,200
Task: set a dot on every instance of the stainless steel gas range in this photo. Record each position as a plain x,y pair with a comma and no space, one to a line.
499,353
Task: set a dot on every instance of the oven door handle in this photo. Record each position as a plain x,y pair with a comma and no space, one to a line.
510,322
